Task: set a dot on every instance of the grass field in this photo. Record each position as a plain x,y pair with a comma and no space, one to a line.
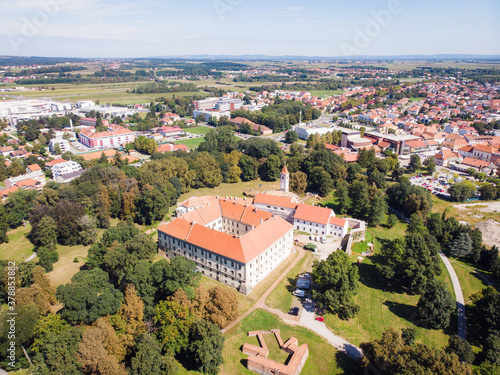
360,247
281,297
190,143
65,268
232,190
323,358
197,130
19,247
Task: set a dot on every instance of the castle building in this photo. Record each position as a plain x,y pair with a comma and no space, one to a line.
229,239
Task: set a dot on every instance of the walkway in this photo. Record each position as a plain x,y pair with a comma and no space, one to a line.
462,327
307,318
31,257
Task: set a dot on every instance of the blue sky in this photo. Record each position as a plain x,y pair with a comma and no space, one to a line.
109,28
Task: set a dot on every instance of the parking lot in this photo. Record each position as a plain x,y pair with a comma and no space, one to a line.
437,185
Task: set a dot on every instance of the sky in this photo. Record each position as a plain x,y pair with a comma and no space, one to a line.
147,28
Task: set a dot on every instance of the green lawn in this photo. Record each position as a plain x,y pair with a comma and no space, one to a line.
381,310
281,297
470,281
360,247
65,268
19,247
323,358
197,130
190,143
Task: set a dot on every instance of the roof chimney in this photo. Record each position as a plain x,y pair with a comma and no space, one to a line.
261,221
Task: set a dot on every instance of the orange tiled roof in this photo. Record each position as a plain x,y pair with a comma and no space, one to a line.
314,214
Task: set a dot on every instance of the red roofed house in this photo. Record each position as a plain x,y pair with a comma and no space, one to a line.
32,168
484,152
169,131
417,146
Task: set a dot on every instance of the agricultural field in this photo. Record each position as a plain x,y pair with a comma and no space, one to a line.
113,93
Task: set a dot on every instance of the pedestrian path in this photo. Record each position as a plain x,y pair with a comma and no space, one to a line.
462,327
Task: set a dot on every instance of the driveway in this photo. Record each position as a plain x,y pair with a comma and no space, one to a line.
308,319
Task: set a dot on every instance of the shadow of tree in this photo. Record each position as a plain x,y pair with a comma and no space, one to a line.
406,312
347,364
368,276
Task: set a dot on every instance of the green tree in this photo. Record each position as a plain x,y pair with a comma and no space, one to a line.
391,355
321,181
359,195
291,137
392,220
461,246
415,163
436,305
342,196
88,296
50,324
148,359
272,168
378,210
462,191
298,182
248,168
151,206
174,323
145,145
337,282
208,171
88,230
430,165
18,205
57,355
488,192
47,232
461,348
205,347
47,257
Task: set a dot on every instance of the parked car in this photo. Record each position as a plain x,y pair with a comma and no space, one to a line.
320,319
294,311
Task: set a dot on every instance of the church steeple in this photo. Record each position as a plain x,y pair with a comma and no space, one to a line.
285,179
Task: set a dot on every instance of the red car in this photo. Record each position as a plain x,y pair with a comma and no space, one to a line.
320,319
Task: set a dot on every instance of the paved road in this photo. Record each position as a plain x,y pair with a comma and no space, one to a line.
308,319
462,324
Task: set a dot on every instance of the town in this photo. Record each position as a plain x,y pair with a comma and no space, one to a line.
238,202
